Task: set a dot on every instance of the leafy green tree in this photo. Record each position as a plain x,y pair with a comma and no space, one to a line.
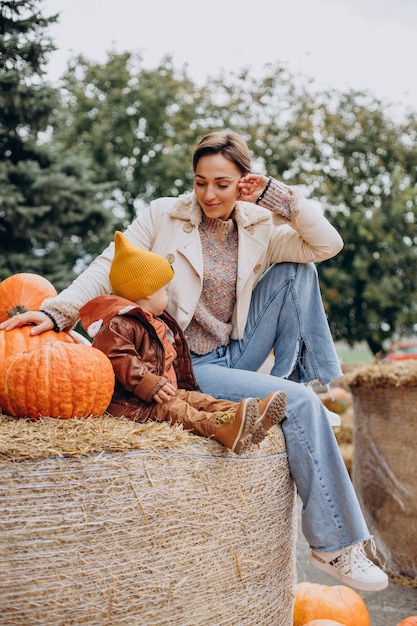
137,125
51,212
369,176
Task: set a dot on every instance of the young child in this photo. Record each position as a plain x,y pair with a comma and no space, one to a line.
151,360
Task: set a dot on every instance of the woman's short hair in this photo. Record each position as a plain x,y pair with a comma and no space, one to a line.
228,143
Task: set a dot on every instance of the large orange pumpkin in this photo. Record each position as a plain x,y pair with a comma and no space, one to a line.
20,340
338,603
409,621
60,380
323,622
17,340
23,292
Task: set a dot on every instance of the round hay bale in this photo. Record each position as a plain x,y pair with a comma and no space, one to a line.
107,522
384,460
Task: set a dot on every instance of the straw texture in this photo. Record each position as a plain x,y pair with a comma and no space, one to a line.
142,524
384,374
384,460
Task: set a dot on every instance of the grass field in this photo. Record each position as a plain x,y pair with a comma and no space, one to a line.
360,353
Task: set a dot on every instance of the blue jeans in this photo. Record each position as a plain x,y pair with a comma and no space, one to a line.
287,316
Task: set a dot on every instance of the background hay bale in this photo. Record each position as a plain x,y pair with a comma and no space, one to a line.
384,460
166,528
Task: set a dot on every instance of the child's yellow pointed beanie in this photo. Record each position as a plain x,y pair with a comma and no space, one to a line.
137,273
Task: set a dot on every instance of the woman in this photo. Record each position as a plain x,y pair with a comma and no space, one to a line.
243,248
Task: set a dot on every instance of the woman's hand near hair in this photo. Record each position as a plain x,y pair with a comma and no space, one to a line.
251,187
40,321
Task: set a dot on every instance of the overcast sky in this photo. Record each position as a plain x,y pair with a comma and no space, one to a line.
347,44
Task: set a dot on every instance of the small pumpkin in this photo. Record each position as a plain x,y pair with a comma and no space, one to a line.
23,292
409,621
60,380
321,602
338,401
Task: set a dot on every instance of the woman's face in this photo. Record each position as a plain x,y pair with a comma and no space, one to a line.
215,185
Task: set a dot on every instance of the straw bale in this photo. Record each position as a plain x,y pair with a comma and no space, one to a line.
108,522
26,439
384,461
383,374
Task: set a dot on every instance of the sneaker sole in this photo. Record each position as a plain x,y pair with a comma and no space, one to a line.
361,585
273,415
243,438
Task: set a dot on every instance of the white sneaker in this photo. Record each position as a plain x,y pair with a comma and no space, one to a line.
352,567
334,418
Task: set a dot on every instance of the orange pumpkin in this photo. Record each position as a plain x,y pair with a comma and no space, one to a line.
23,292
340,401
320,602
19,340
324,622
61,380
409,621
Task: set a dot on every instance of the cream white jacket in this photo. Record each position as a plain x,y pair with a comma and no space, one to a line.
169,227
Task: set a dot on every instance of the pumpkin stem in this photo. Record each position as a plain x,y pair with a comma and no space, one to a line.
16,310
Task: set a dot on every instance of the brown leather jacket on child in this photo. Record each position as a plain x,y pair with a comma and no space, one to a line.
109,320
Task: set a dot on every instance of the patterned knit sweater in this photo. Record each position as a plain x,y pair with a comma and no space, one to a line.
211,325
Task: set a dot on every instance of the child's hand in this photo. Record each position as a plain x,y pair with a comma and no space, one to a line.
165,393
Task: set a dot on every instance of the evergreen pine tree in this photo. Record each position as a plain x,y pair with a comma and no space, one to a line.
53,217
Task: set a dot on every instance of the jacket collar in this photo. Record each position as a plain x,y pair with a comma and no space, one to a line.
101,309
246,213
